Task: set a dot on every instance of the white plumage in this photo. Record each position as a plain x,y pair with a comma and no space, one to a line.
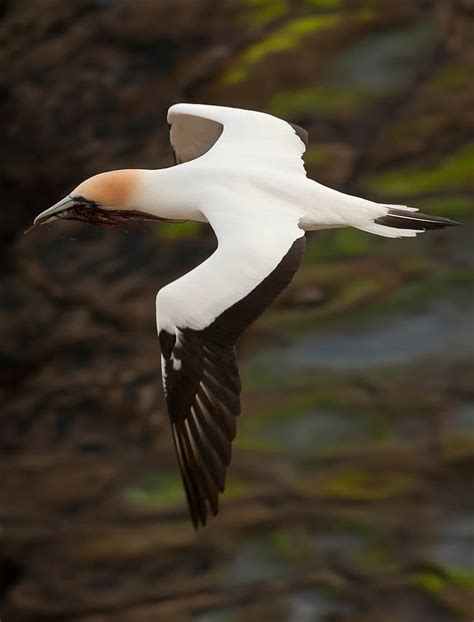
242,172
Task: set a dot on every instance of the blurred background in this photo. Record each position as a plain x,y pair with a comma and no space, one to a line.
350,496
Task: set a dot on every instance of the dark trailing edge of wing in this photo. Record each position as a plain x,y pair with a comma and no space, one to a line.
236,319
202,387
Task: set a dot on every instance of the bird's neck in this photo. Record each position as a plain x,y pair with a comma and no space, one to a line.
166,193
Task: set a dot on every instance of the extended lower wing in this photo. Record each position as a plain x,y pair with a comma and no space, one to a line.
200,317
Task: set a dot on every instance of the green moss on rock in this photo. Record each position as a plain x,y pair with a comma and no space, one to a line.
435,579
450,205
329,98
366,485
155,490
262,12
428,581
324,4
284,38
453,76
340,243
452,173
175,231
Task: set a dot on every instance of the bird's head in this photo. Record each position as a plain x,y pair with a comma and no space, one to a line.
105,199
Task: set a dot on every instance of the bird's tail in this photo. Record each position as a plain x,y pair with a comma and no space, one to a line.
400,221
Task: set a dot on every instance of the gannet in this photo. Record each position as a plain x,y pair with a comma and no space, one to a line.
242,172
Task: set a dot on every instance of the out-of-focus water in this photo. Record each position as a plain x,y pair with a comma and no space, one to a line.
444,330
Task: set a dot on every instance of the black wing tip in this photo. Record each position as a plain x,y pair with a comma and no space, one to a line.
404,219
301,133
199,522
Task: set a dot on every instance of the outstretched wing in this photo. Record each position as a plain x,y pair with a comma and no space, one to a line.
202,389
200,317
196,128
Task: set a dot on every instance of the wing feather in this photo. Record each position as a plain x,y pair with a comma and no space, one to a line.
192,136
202,388
196,128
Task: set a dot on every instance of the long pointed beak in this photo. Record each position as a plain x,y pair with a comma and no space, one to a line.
50,213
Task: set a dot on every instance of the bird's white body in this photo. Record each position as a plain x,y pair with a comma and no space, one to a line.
254,168
251,186
242,172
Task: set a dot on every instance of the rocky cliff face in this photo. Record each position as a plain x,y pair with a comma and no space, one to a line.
93,521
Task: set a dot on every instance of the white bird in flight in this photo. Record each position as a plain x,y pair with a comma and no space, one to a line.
242,172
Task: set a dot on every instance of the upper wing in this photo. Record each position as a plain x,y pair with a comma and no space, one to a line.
191,136
200,317
196,128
